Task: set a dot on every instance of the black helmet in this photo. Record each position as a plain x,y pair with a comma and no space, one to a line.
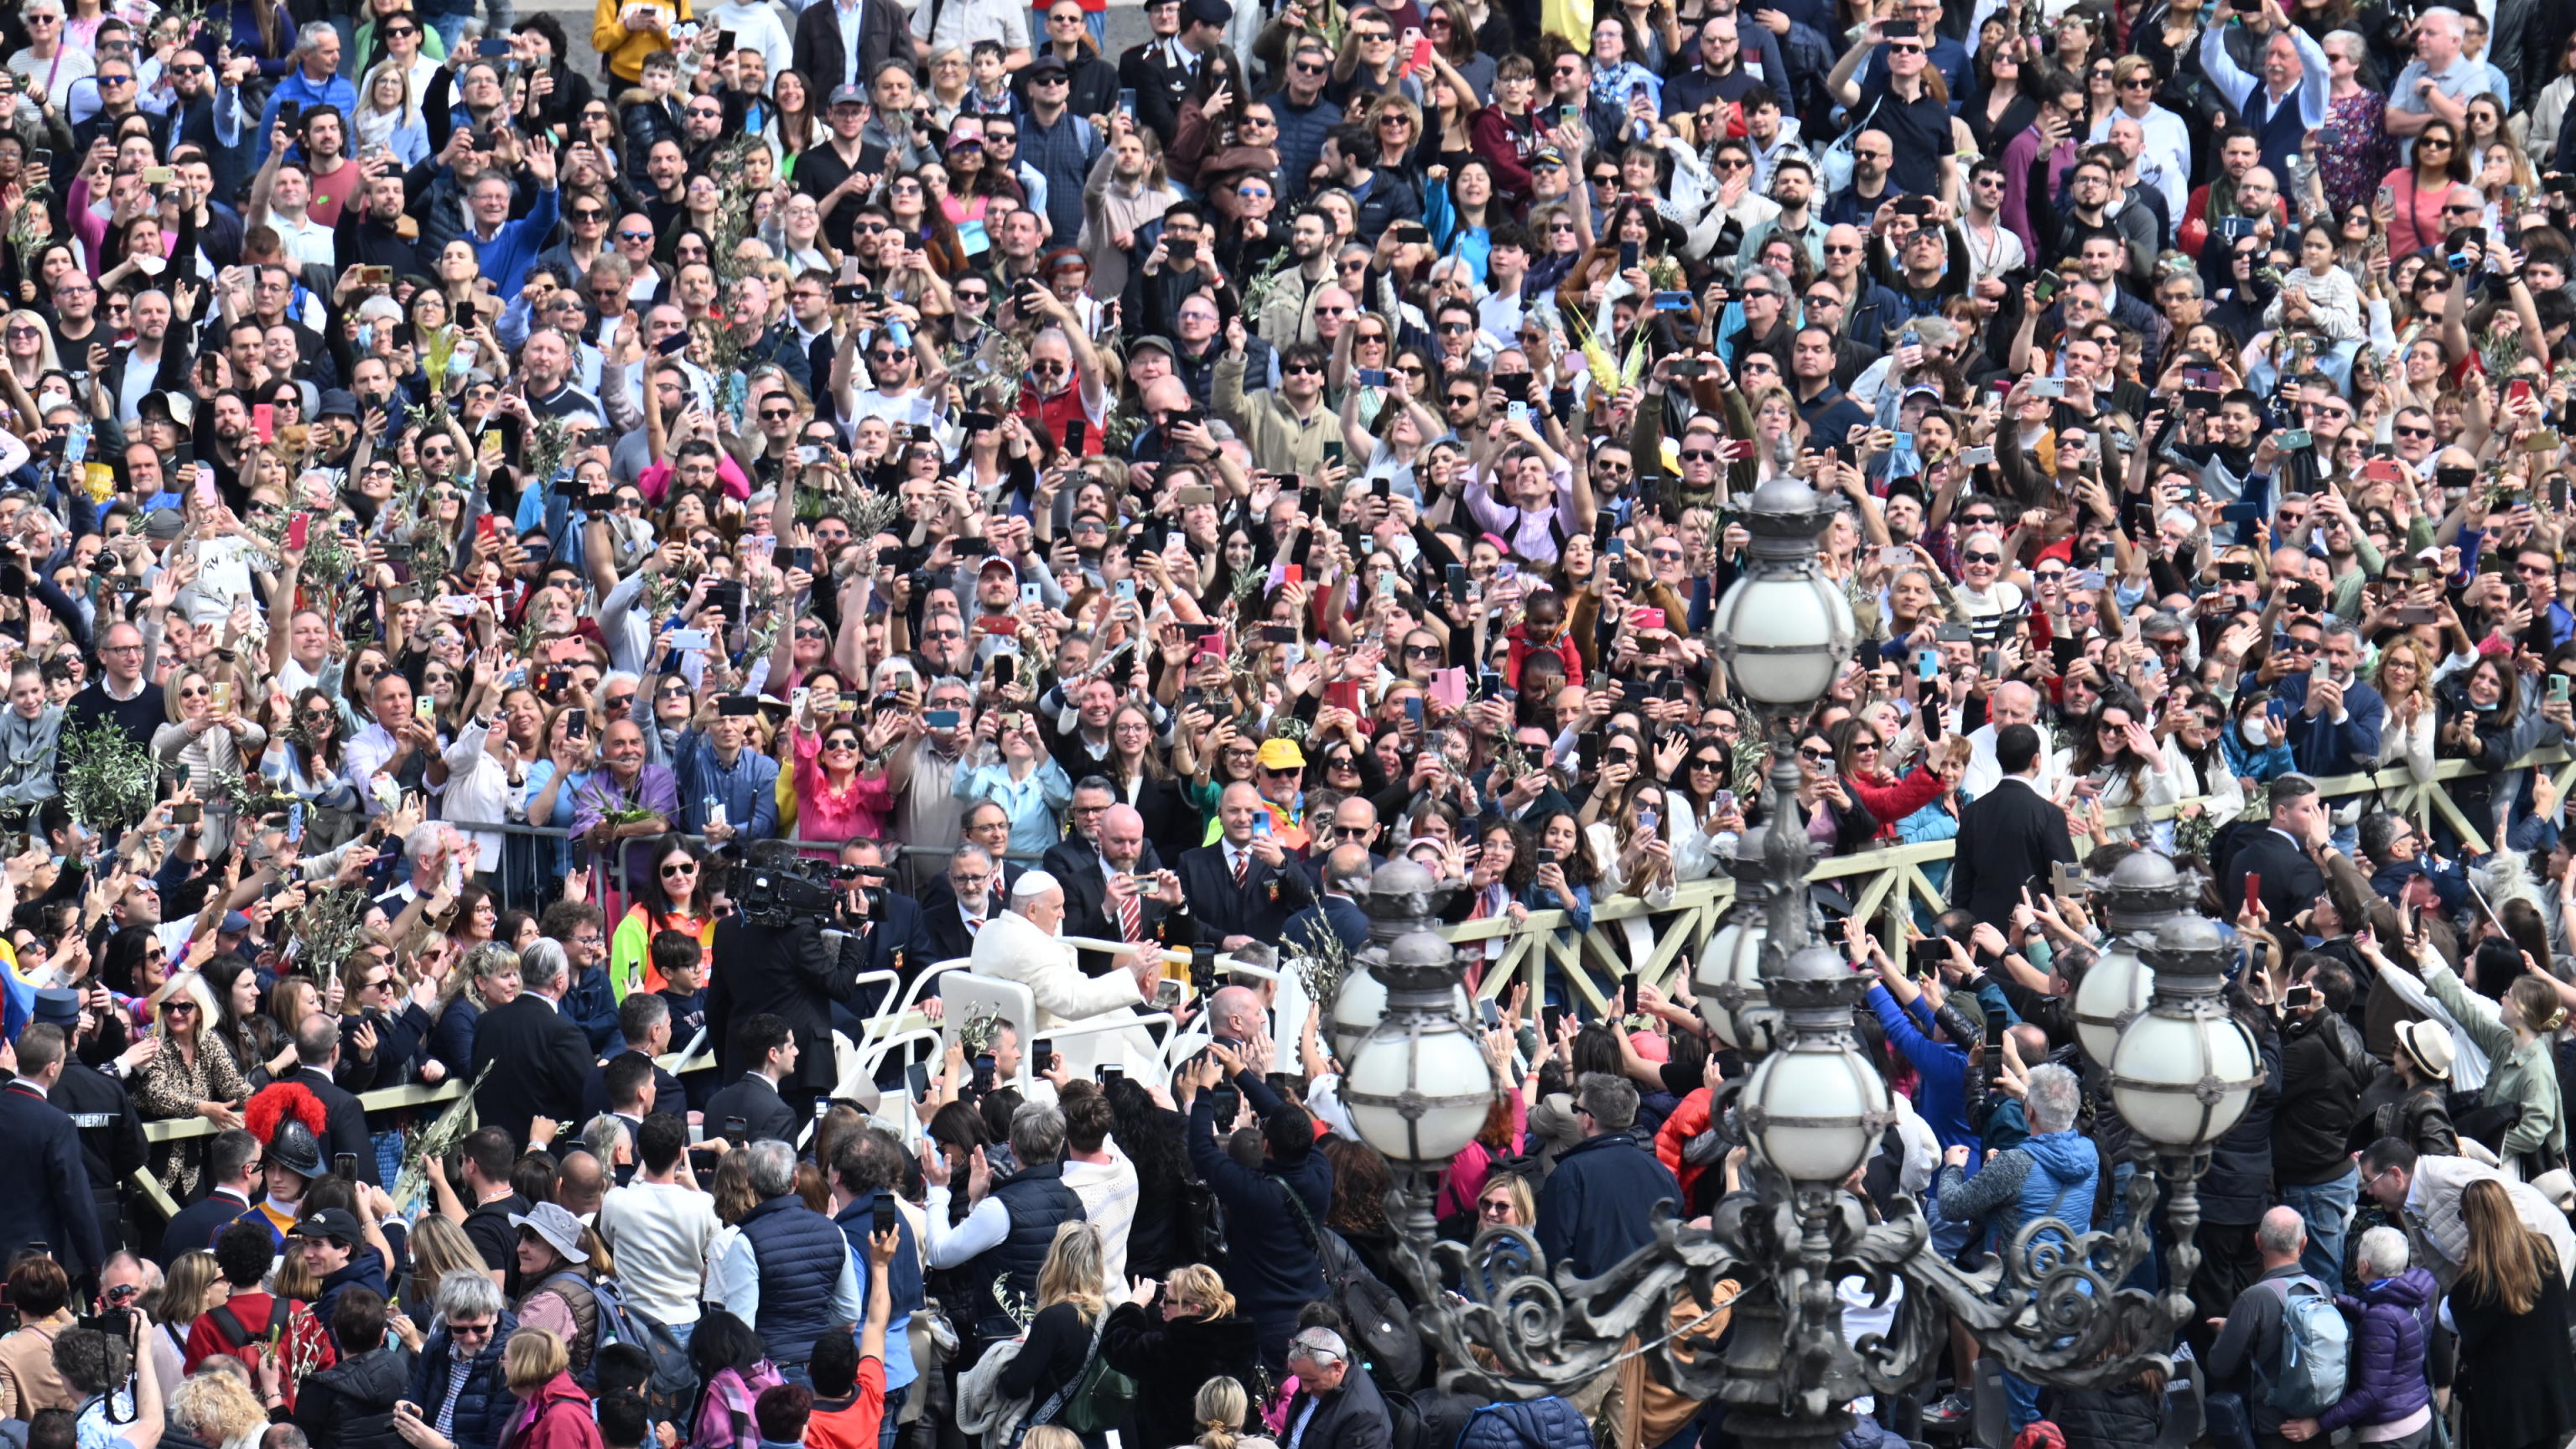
295,1148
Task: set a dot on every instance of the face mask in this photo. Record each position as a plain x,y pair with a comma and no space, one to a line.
2253,731
48,401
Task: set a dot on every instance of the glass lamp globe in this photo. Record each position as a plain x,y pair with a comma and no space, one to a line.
2185,1068
1420,1089
1732,996
1784,635
1815,1107
2113,993
1361,1005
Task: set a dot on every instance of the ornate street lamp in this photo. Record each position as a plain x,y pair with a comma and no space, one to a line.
1812,1111
2144,892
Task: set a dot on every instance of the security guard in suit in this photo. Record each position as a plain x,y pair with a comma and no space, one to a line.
111,1131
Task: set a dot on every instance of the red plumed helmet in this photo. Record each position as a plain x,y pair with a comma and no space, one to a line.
290,1122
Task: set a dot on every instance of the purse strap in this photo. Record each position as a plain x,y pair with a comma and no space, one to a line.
1064,1393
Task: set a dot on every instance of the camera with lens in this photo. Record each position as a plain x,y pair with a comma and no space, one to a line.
787,893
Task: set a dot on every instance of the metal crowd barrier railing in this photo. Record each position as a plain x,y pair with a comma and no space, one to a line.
1884,884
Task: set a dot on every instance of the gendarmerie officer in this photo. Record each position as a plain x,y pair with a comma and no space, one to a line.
111,1131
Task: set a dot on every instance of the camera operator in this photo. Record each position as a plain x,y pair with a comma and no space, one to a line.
879,923
785,969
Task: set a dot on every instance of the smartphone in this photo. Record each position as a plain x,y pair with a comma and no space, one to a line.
2299,997
1927,665
1628,995
917,1077
1551,1017
1226,1103
1332,450
344,1166
298,530
1076,432
1107,1072
1006,670
2557,688
263,420
2253,888
189,814
1672,301
1041,1055
220,696
1976,457
884,1214
735,1129
1627,255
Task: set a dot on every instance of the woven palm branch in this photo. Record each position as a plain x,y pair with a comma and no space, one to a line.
443,1135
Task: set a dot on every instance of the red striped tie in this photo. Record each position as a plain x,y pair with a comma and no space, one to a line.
1242,865
1131,919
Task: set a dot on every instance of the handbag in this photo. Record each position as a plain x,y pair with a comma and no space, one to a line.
1094,1400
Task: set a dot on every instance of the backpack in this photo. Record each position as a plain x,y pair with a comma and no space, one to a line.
2316,1346
673,1383
1378,1320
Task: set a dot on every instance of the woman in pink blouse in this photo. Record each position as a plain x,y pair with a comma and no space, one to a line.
841,785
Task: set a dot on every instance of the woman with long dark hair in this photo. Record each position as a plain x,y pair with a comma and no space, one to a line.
679,897
2419,189
304,759
261,1049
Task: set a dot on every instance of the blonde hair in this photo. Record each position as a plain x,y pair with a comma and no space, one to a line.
438,1247
187,1285
213,1406
1219,1410
1199,1286
2536,1002
1051,1436
1075,1271
533,1359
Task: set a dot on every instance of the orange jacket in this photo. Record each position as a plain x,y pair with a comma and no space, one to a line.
1689,1119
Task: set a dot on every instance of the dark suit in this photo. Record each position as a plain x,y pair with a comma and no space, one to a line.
346,1130
937,894
548,1058
197,1223
786,972
941,934
1076,866
1329,916
823,56
754,1098
884,942
2291,882
1259,907
47,1200
2008,837
668,1096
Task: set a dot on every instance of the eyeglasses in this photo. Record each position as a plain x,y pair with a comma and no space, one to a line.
1705,762
2404,431
673,872
634,236
1699,455
840,742
2432,143
2139,83
1818,757
1982,558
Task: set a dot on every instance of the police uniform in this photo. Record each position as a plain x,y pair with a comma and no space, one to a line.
111,1132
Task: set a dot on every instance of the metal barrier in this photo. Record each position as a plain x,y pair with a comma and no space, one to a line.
1885,882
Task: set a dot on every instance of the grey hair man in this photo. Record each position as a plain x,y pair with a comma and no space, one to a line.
2256,1320
1334,1408
789,1274
1003,1239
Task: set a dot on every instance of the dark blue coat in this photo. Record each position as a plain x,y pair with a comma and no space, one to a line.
2384,1380
800,1255
1037,1202
1597,1207
1549,1423
1284,1274
484,1405
48,1199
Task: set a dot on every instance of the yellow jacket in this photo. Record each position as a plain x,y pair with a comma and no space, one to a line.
626,48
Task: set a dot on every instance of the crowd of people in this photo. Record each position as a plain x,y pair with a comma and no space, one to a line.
485,521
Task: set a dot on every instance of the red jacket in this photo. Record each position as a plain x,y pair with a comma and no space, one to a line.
1689,1119
559,1419
1893,800
1523,646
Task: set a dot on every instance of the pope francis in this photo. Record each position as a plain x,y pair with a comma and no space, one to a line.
1025,944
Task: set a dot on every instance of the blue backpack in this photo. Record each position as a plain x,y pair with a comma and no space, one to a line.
2316,1348
673,1384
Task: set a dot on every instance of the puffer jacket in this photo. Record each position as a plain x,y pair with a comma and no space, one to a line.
350,1405
1549,1423
2384,1378
484,1404
2120,1417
